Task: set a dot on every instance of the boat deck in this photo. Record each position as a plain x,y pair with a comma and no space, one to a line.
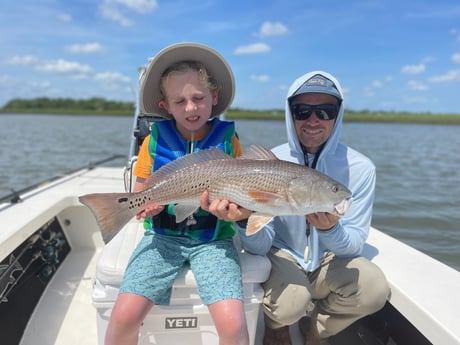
423,289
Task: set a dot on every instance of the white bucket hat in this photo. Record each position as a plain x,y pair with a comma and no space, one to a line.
217,67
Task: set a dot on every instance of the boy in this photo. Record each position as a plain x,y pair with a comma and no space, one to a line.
190,85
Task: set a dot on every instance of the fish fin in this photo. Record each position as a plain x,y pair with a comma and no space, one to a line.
263,197
182,211
186,161
258,152
257,222
110,211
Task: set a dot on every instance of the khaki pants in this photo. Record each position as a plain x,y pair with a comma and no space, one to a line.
335,295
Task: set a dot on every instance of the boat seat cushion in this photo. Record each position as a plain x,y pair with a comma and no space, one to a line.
116,254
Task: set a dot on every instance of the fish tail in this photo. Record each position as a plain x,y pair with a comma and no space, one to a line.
110,211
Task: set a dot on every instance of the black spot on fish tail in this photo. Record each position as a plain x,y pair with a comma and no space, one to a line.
138,202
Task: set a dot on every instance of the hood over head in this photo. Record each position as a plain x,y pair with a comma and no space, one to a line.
321,82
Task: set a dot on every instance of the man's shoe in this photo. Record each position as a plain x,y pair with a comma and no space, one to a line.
304,325
278,336
309,333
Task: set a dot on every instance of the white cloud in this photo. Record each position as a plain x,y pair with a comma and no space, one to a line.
6,80
260,78
63,66
141,6
113,9
269,29
414,100
417,86
368,92
52,66
428,59
80,76
413,69
377,84
112,76
64,17
22,60
455,33
456,58
40,85
112,13
88,48
452,75
256,48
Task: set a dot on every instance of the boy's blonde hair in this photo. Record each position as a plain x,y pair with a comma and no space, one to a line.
183,66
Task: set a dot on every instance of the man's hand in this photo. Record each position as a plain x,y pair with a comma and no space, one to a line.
322,221
150,211
224,209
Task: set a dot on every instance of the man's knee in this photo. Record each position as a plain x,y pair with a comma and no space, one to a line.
288,309
375,294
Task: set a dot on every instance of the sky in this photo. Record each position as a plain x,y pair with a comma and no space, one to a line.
389,55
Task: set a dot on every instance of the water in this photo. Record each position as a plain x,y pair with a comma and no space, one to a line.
417,166
36,147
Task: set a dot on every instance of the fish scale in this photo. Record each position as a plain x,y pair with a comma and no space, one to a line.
184,185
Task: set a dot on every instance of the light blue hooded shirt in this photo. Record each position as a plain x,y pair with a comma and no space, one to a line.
343,164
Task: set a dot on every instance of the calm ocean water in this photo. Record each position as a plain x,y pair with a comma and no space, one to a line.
418,166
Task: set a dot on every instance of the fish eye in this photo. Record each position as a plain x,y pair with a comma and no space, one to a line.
335,188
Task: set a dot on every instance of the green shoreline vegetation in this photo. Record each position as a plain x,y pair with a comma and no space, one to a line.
101,106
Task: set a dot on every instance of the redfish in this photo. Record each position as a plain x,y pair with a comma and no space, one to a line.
257,180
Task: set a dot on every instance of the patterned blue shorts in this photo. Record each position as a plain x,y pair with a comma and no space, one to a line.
158,259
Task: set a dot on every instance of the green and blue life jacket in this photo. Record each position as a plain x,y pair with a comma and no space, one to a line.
167,144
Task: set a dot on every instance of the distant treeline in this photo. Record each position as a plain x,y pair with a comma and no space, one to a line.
101,106
94,105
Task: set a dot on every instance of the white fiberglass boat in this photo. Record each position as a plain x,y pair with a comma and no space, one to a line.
58,282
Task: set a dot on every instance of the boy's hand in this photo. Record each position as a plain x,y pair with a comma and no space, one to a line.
150,211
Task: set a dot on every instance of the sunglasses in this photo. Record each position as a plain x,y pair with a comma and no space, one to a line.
301,111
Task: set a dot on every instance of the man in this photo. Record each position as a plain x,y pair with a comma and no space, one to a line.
317,270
